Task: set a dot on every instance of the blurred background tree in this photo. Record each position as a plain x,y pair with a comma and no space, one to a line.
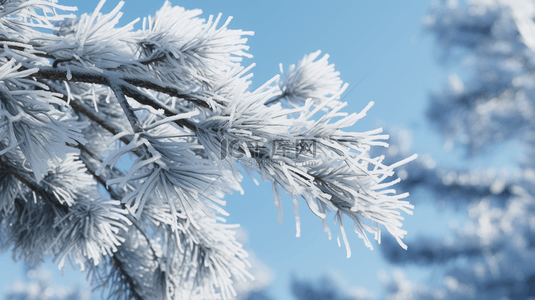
40,285
486,109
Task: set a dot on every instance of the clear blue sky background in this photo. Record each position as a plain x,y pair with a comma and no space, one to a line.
381,43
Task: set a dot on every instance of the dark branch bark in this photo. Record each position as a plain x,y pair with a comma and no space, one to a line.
140,97
129,113
90,76
114,193
27,182
36,188
125,277
126,86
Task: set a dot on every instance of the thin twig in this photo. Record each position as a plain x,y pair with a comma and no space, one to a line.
36,188
127,109
126,277
273,100
114,194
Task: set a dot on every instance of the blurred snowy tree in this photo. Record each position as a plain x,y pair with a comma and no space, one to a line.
40,286
172,104
496,103
327,288
492,103
491,256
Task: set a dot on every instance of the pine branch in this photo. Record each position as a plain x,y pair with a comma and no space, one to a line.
126,278
275,99
174,188
114,193
33,186
90,76
123,88
134,121
140,97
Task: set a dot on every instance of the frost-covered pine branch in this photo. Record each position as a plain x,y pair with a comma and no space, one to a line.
80,94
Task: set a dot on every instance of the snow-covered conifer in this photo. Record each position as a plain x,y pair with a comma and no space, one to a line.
80,94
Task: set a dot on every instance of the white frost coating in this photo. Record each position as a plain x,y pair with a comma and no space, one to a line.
95,43
81,97
312,79
345,179
189,51
29,121
18,18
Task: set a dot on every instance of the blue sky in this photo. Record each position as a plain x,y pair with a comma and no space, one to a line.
380,44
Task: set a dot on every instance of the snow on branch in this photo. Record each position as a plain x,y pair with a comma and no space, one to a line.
184,49
117,147
312,79
342,177
18,18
